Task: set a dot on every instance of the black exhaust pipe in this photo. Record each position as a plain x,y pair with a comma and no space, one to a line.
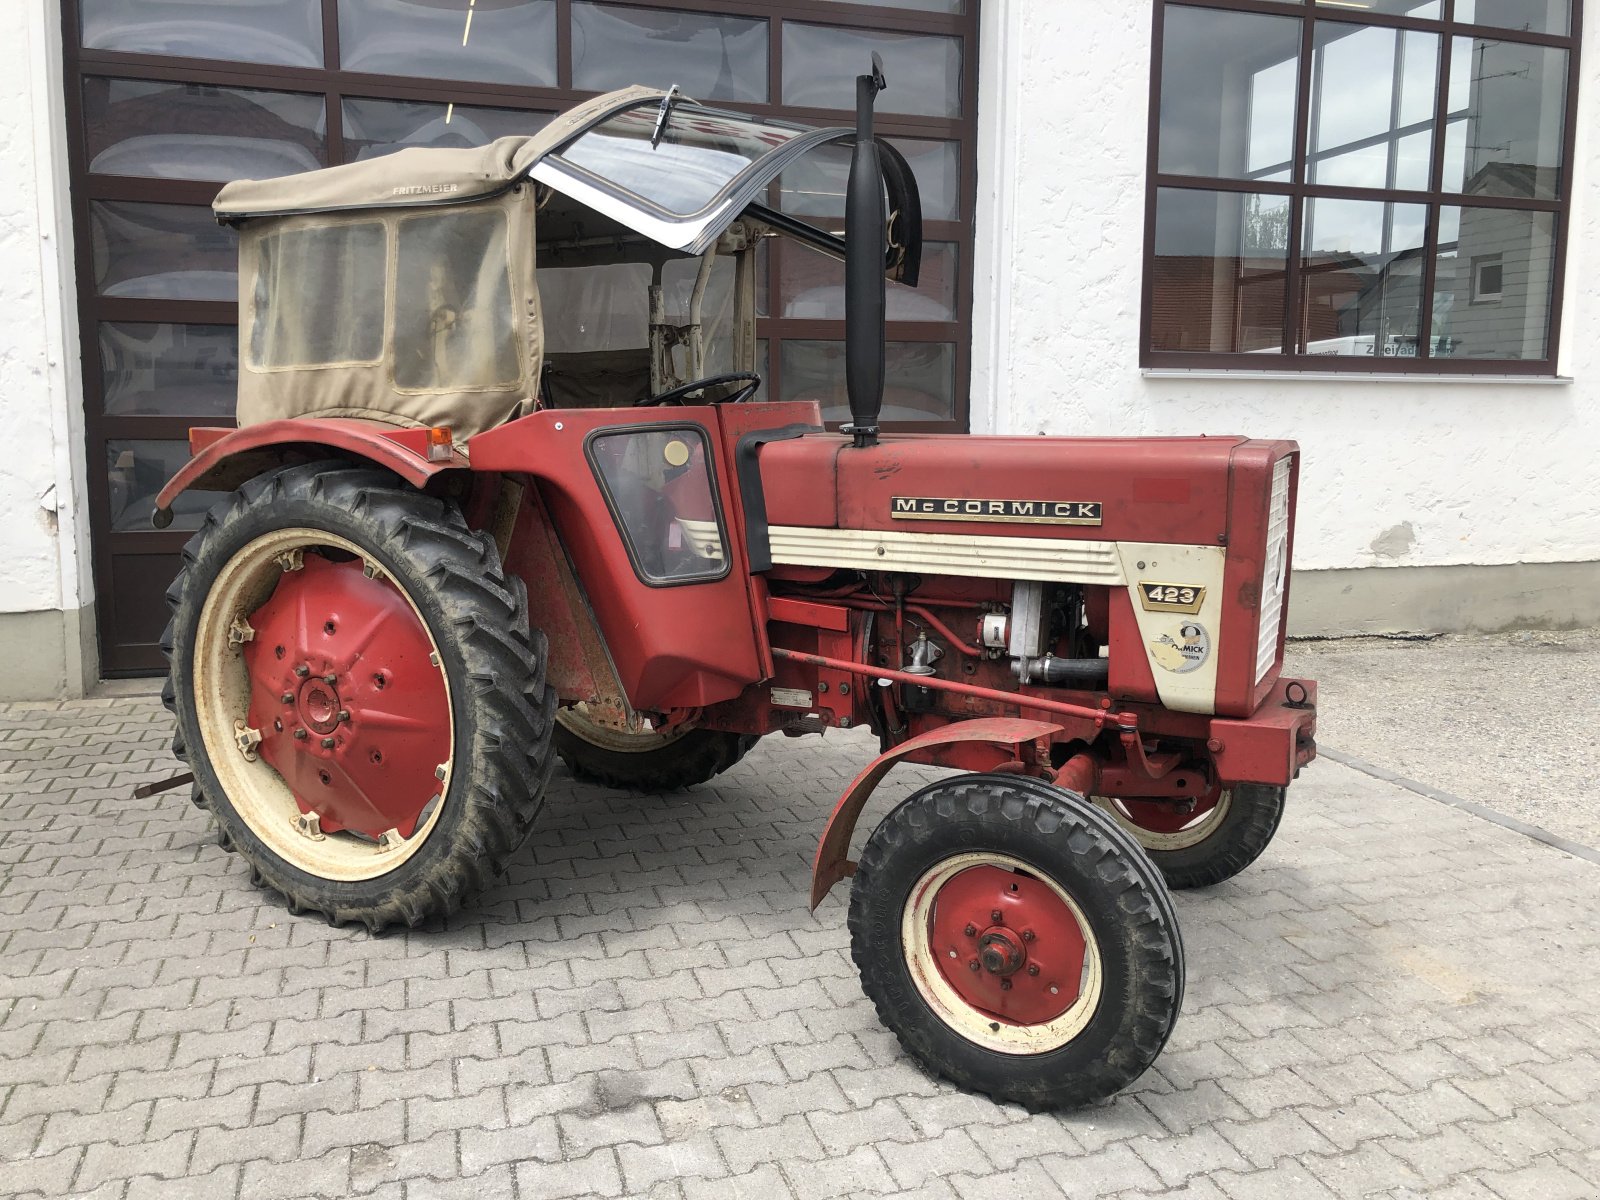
866,250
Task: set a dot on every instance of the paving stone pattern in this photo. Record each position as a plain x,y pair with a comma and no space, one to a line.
1399,1001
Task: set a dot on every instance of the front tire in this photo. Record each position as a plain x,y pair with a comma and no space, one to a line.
1063,1000
646,761
358,694
1213,841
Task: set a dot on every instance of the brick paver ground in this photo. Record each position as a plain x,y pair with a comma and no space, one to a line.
1400,999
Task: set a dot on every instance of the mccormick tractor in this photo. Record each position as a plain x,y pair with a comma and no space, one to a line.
504,488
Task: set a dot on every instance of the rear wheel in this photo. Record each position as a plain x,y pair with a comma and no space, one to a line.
357,693
1017,941
646,761
1205,840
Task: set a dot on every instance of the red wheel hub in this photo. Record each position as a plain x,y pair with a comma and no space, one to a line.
1008,944
352,709
1170,816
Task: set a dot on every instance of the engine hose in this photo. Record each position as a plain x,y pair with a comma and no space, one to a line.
1091,673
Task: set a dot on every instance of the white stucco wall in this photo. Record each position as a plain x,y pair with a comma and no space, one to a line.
1395,473
41,476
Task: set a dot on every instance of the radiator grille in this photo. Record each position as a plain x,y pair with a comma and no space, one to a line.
1274,575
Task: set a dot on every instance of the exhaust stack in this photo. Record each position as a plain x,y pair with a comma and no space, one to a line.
866,250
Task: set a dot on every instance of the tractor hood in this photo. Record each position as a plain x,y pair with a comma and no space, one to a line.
672,170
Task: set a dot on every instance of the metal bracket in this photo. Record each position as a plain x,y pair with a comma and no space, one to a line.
240,631
309,825
248,739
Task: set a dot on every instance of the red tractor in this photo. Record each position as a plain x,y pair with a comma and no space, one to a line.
500,491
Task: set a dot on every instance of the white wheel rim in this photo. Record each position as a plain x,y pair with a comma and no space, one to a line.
576,719
260,796
974,1024
1204,825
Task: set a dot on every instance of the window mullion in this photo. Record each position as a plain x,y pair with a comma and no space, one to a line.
1430,239
1293,319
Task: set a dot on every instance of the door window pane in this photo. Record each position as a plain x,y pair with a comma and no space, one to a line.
373,128
659,486
1372,83
1361,278
195,131
168,370
920,379
1220,271
1535,16
1228,93
285,33
137,470
813,286
162,252
490,41
710,58
820,65
1507,108
1492,284
815,185
319,296
453,319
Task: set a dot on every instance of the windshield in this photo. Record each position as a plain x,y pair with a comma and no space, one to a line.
700,154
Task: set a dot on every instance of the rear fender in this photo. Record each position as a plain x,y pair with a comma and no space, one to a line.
225,458
980,745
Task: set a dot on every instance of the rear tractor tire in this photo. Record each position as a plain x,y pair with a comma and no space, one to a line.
358,693
646,761
1017,941
1205,841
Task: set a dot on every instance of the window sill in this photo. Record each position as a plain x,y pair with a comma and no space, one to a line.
1238,375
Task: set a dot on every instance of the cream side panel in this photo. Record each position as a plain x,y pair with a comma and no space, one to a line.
947,554
1183,661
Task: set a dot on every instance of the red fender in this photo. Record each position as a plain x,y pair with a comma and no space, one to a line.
225,458
986,744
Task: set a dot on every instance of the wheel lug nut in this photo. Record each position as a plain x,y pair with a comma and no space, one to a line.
1005,985
973,964
344,714
1027,935
287,697
300,735
1033,968
971,930
330,680
327,743
302,670
997,916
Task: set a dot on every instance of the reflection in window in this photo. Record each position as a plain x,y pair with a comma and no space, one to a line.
1492,284
820,65
710,58
921,379
165,130
813,286
1361,278
162,252
285,33
1507,107
659,486
373,128
1373,107
168,370
814,186
1220,271
1535,16
136,471
508,41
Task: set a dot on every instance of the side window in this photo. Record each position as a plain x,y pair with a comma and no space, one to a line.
658,484
453,324
319,297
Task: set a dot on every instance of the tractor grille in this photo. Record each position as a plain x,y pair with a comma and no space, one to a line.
1275,574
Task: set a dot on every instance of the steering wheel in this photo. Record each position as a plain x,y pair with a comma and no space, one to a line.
751,381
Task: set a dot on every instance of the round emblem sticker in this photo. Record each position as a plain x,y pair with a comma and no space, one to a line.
1182,650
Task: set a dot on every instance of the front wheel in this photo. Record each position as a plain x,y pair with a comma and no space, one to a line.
1017,941
358,693
1205,840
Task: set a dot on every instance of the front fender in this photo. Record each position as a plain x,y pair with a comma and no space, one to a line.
225,458
979,745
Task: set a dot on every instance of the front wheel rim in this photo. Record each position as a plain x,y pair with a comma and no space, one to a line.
1028,983
576,720
1159,825
323,704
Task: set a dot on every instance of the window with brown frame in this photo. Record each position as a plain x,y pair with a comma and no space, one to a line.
1372,186
168,99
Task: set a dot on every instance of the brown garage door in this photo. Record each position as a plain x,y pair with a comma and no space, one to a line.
167,99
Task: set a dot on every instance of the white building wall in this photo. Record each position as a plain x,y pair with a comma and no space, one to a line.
44,585
1396,473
